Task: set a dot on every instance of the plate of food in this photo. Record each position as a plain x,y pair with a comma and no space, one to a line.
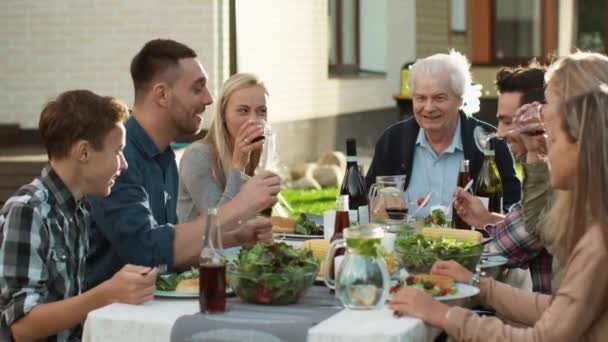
437,217
180,285
303,228
440,287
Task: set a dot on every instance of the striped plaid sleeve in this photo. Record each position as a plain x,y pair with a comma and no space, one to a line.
22,269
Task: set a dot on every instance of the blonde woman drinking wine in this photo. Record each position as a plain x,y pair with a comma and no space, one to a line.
576,120
218,170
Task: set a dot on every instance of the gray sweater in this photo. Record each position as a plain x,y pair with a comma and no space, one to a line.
198,190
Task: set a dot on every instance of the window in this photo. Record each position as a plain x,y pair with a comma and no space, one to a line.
517,29
511,32
458,18
343,36
592,33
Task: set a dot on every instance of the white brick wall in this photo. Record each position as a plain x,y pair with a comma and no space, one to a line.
50,46
285,43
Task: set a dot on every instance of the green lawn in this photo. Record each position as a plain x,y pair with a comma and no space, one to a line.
311,201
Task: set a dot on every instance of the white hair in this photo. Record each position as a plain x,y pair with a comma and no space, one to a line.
454,64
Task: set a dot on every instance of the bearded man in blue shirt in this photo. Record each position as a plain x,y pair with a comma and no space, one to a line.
137,223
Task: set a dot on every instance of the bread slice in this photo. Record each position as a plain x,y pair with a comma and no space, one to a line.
188,286
283,225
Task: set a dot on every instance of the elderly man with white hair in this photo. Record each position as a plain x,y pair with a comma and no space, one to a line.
429,147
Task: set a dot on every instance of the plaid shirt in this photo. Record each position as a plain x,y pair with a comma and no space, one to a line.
522,249
44,241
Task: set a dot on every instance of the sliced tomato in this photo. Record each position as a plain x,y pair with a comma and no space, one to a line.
445,292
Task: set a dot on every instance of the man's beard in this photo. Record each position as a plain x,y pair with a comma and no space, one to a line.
185,119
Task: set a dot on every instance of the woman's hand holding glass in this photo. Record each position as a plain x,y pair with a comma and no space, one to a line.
247,140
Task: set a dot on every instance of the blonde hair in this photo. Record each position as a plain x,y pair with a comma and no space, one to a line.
219,138
576,79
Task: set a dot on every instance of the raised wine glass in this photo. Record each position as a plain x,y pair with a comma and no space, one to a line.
529,122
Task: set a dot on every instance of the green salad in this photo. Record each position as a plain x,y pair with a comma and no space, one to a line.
419,253
436,218
168,282
306,226
274,273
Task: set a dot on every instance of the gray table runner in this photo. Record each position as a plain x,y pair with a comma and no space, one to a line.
252,323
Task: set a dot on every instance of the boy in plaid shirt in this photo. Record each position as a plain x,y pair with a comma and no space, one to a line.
44,226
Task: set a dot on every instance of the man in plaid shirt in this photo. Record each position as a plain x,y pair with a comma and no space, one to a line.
43,227
516,235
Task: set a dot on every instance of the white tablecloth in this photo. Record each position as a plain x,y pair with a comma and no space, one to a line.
377,326
152,322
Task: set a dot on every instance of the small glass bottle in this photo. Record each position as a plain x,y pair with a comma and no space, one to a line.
464,176
342,222
212,267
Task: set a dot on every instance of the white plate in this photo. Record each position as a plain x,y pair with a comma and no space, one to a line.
174,294
297,236
488,261
464,291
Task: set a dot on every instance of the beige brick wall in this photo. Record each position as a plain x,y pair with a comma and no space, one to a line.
54,45
433,29
286,43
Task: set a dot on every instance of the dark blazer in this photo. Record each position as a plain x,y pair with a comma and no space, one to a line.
394,155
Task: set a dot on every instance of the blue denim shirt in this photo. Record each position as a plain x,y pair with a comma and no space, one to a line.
134,224
431,172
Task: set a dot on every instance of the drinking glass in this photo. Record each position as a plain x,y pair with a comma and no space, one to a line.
529,122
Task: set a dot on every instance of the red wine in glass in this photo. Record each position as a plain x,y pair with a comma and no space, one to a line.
212,288
533,131
397,213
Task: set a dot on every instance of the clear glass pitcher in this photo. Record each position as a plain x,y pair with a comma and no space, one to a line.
387,199
362,280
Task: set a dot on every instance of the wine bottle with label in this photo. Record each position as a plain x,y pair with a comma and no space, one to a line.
488,185
353,185
342,222
464,176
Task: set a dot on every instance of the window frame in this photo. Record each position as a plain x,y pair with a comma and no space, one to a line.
339,68
515,60
482,23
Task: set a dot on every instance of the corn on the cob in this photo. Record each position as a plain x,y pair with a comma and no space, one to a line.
319,248
456,234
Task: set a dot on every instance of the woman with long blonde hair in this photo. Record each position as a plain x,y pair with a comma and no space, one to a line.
576,120
218,170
